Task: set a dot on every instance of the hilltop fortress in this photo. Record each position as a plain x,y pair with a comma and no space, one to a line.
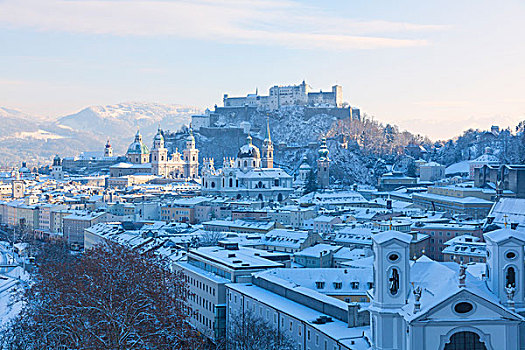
290,95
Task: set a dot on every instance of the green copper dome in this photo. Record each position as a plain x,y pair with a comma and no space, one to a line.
138,147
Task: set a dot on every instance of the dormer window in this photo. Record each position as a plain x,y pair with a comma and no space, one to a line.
319,285
338,285
354,285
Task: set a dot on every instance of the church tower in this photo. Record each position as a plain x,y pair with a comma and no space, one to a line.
108,150
17,185
323,165
391,287
505,264
267,148
57,171
159,155
191,157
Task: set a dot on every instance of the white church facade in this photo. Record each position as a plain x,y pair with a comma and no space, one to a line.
250,175
140,160
425,304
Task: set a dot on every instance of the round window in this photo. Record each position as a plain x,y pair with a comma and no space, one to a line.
393,257
463,307
510,255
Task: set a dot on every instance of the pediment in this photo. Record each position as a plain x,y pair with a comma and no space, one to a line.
482,309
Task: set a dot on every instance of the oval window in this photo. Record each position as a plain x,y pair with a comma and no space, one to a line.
393,257
510,255
463,307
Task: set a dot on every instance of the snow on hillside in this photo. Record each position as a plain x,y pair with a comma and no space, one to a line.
120,121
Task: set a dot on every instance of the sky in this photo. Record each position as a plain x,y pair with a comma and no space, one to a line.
430,67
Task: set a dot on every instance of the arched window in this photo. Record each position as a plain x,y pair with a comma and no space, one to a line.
253,162
236,183
280,197
465,340
245,163
259,185
231,182
393,281
510,277
213,184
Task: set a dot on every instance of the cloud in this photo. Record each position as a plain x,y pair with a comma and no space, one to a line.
268,22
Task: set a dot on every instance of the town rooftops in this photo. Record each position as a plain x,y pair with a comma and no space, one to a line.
242,258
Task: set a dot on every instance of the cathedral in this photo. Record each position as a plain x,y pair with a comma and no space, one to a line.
140,160
250,175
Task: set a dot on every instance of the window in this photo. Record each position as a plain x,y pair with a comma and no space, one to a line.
510,277
338,285
393,281
319,285
510,255
354,285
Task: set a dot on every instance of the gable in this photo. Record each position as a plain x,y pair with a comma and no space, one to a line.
482,309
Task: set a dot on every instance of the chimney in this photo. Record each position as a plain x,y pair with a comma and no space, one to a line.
353,308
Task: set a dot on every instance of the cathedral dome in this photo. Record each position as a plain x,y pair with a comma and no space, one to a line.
249,150
138,147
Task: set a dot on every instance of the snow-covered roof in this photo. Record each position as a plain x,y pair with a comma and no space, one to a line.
462,167
423,274
318,250
390,235
504,234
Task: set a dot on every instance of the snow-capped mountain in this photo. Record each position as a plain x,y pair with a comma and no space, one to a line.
27,138
121,121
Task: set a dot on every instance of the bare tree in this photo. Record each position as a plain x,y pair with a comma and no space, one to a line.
108,298
247,331
210,238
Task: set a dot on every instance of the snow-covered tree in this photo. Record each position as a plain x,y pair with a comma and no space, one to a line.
110,297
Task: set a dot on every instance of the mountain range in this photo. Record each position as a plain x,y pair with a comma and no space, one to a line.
27,138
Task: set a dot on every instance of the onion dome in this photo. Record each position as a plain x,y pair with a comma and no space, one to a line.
323,150
249,150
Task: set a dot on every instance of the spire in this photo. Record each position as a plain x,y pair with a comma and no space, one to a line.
249,139
268,136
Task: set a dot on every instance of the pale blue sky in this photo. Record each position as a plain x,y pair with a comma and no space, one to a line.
432,67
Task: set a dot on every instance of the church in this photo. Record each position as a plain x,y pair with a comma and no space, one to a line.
250,175
426,304
140,160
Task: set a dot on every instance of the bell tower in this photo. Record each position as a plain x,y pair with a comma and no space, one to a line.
159,155
267,148
17,185
505,264
108,150
391,286
323,165
191,157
